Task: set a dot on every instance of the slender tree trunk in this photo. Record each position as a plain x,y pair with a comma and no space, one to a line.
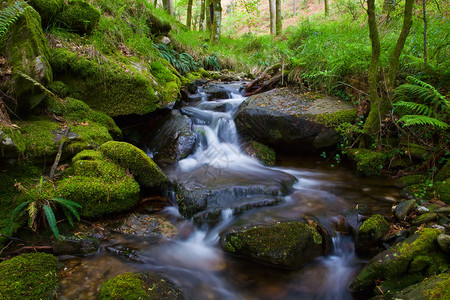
208,10
379,106
168,6
278,25
273,14
372,123
201,25
425,24
155,3
327,9
216,19
189,14
295,7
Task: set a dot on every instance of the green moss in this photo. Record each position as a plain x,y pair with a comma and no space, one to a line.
263,153
373,228
444,172
368,162
337,118
107,87
443,191
275,134
165,74
144,169
79,16
410,180
29,276
134,286
48,9
28,52
59,88
440,290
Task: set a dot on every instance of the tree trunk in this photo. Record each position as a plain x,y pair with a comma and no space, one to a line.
208,9
278,25
295,7
155,3
425,24
189,14
327,9
273,13
168,6
201,24
372,124
215,10
380,106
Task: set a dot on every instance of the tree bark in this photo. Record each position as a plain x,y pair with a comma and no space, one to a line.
168,6
215,10
295,7
208,9
155,3
201,25
272,16
278,25
425,24
327,9
189,14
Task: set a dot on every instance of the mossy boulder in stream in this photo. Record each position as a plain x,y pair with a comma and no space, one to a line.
431,288
368,162
27,50
143,168
134,286
100,185
261,152
286,244
79,16
418,254
29,276
370,232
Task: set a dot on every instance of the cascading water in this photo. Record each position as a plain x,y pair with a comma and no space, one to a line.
194,261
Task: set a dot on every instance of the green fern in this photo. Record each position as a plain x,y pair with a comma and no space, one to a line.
419,103
183,62
10,15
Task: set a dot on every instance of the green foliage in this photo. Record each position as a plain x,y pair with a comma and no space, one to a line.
40,204
10,15
183,62
430,107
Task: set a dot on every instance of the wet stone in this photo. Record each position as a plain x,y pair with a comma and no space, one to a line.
403,208
425,218
76,245
444,242
146,226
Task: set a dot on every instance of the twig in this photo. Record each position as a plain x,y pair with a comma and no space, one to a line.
346,84
58,156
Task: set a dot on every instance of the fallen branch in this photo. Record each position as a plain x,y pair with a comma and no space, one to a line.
267,84
58,156
261,77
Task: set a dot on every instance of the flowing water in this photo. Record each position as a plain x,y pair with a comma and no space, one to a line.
194,261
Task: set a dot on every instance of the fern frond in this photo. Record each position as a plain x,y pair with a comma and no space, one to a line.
418,108
51,220
10,15
411,120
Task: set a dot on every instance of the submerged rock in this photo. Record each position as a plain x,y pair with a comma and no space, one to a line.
284,120
76,245
29,276
146,226
286,244
418,254
139,286
175,139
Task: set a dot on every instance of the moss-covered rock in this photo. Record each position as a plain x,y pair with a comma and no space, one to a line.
410,180
116,88
165,74
261,152
398,261
443,191
28,51
134,286
444,172
48,9
29,276
368,163
286,244
144,169
99,185
79,16
370,232
431,288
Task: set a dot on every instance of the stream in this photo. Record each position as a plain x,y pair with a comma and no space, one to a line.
193,259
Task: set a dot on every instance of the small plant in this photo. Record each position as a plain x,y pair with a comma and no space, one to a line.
211,62
183,62
10,15
421,104
40,206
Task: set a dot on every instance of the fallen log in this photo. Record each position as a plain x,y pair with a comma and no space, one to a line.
268,84
263,77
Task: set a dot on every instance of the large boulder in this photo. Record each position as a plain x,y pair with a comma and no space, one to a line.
27,49
370,233
417,255
29,276
136,286
286,244
433,287
174,140
286,120
116,87
48,9
79,16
